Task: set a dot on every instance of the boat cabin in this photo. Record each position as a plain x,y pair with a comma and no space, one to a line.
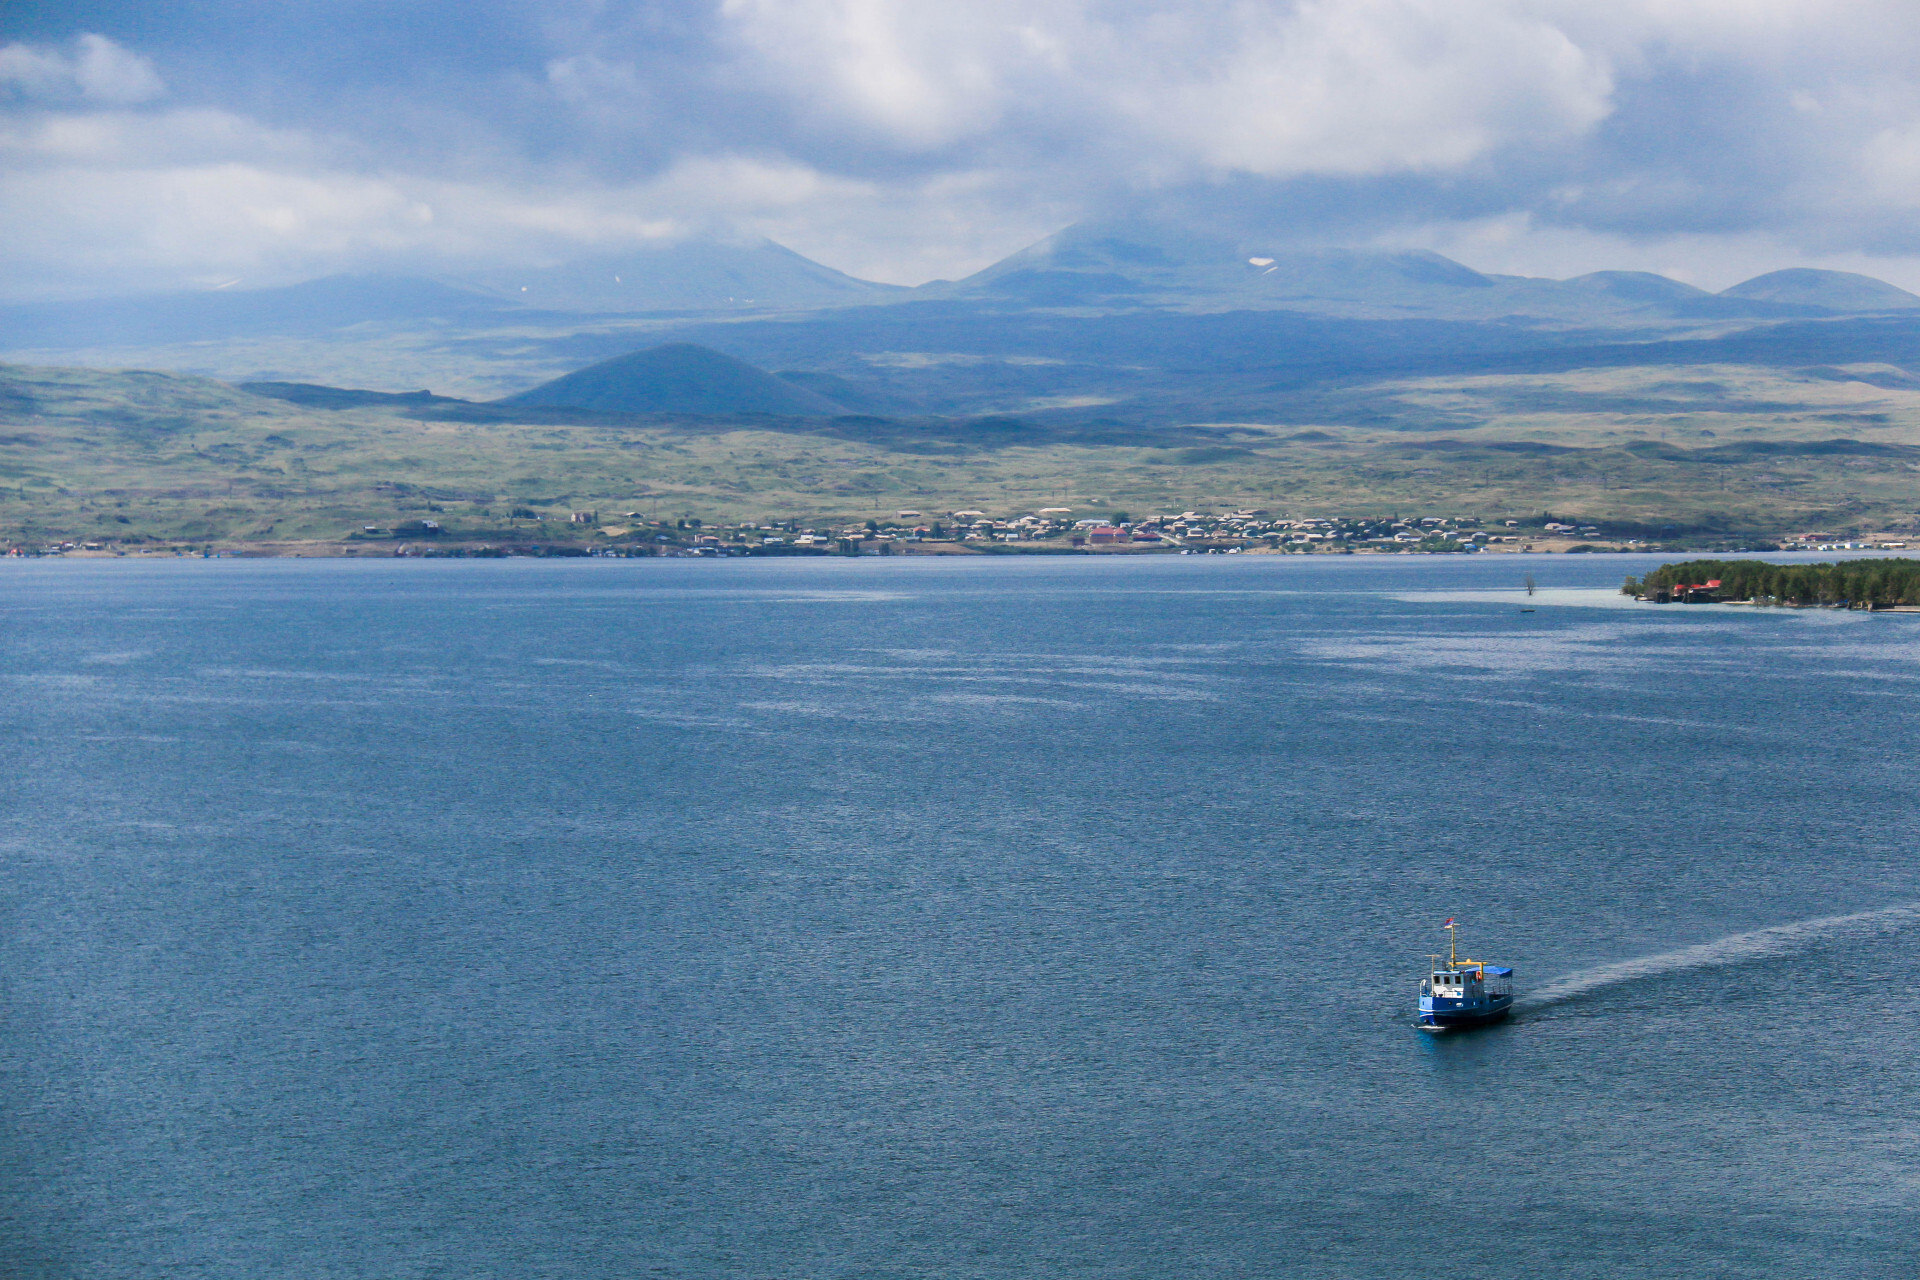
1478,982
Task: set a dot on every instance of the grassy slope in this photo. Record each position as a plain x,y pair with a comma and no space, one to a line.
95,455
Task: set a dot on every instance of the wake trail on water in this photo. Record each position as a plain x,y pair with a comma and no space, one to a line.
1739,948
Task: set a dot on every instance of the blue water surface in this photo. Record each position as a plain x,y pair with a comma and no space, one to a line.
945,918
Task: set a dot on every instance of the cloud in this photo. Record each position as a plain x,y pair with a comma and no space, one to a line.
1358,86
905,140
96,70
1373,87
125,201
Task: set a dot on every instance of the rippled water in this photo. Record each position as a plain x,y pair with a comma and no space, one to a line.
947,919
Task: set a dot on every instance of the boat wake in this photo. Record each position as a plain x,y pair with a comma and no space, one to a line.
1761,944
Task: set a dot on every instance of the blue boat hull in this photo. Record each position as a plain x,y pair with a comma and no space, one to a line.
1465,1015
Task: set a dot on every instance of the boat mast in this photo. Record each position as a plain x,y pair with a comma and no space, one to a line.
1453,940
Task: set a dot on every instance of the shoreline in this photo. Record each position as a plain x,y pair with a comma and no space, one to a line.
336,549
331,549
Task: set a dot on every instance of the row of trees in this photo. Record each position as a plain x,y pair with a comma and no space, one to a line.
1848,582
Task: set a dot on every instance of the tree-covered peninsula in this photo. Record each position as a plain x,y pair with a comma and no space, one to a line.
1855,583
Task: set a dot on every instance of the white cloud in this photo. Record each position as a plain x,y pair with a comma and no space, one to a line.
1357,86
96,70
117,138
113,201
906,140
1374,86
923,76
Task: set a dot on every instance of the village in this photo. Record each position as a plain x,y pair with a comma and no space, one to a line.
1056,530
1046,531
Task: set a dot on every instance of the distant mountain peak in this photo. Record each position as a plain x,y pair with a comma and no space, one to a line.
1147,261
1834,290
1638,286
688,275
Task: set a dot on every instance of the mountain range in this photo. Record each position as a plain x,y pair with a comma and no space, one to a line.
1098,267
1157,367
1143,323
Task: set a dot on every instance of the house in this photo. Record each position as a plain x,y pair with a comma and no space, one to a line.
1105,534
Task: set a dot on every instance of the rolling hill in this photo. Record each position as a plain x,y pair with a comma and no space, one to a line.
152,461
1834,291
677,377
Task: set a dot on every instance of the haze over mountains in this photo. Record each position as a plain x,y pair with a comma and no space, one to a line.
690,275
1141,322
1098,266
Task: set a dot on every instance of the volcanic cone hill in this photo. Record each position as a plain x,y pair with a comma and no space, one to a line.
1833,290
677,377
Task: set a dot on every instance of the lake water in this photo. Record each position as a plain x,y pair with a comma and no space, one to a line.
919,918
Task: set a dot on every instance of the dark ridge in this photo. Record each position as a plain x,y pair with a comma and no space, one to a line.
1889,381
1249,364
862,399
314,396
1805,449
1211,453
1529,447
1720,307
1730,454
677,377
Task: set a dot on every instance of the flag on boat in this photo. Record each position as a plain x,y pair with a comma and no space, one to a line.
1447,923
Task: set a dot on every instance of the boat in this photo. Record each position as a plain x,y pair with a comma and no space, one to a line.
1462,992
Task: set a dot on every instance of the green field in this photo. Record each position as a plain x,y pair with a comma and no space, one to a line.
153,460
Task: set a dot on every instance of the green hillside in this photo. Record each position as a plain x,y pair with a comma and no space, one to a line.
156,460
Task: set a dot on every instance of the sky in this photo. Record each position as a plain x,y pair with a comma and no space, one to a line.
234,143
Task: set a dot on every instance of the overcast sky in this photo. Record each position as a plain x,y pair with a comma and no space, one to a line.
147,145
